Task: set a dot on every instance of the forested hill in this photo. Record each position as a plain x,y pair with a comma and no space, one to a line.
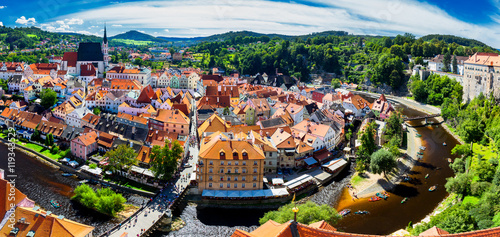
138,36
455,39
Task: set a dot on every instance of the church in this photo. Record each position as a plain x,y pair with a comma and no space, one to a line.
88,53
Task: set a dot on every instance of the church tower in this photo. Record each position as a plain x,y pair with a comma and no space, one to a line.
105,48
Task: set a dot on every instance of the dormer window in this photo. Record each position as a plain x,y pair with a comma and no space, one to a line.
223,155
235,155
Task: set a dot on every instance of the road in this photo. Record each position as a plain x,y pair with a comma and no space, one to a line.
159,206
410,103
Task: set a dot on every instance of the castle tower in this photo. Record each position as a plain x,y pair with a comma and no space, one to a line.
105,48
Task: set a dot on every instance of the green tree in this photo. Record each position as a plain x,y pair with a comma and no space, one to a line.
97,111
49,140
121,157
164,160
454,64
335,83
460,184
446,62
308,213
419,91
458,165
394,125
461,150
48,97
36,134
382,161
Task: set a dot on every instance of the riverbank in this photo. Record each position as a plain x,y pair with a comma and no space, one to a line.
368,184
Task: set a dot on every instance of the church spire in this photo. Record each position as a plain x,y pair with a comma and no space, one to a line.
105,40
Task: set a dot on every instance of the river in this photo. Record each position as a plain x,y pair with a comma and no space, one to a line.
42,183
384,216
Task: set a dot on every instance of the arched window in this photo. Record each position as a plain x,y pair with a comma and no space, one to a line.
235,155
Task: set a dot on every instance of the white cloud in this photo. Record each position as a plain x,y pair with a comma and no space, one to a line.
116,25
2,7
1,23
23,21
144,32
201,17
74,21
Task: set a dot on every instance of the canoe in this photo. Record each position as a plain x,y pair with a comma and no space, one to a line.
380,195
67,174
344,212
432,188
404,200
420,153
361,212
375,198
444,143
427,176
449,160
419,135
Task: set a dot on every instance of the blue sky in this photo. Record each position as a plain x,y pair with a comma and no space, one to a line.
478,19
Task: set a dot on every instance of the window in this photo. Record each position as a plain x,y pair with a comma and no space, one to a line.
243,185
229,163
209,185
244,163
210,170
235,185
228,171
222,156
255,170
236,163
255,162
211,163
244,170
264,162
254,185
222,162
270,163
221,185
236,170
244,178
235,155
228,185
221,171
254,178
228,178
236,178
210,178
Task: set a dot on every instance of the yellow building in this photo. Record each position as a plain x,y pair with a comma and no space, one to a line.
229,164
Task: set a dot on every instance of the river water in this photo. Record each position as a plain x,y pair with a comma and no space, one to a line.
42,183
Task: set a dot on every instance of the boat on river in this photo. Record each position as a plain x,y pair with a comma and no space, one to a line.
420,157
361,212
422,148
427,176
67,174
432,188
344,212
55,203
419,135
444,143
420,153
404,200
375,198
84,181
381,195
449,160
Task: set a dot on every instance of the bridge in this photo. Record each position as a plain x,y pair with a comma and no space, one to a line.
148,217
423,117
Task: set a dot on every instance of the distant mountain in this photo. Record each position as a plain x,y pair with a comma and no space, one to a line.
139,36
234,34
455,39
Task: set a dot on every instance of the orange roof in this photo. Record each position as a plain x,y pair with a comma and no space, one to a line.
172,116
88,138
434,231
213,124
132,118
5,202
212,149
322,225
45,225
143,155
124,84
91,118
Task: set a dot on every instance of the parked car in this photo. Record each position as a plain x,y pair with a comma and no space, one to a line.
187,165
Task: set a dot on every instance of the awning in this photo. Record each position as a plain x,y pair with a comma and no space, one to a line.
142,171
335,164
289,150
268,192
65,159
310,161
73,163
219,193
246,194
233,194
258,193
280,192
277,181
298,181
207,193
